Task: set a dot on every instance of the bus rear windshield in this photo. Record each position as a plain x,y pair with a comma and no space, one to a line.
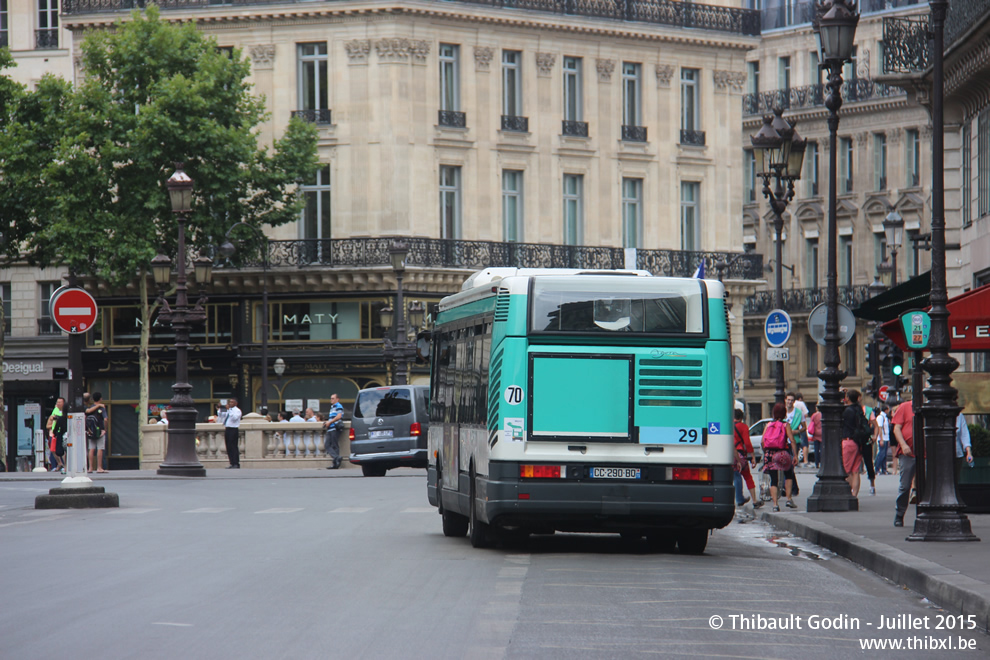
643,305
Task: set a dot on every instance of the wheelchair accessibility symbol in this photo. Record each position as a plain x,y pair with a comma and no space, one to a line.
714,428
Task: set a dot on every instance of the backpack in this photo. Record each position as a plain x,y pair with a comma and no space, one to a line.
94,426
863,432
775,436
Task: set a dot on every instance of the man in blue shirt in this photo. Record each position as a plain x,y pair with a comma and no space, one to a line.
230,417
332,427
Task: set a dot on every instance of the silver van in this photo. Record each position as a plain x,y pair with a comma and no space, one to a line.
389,428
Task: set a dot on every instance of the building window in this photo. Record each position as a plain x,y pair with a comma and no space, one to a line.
690,217
851,362
7,308
450,93
450,201
849,75
814,68
967,174
845,165
845,260
811,262
914,261
689,100
631,101
749,173
811,169
4,39
46,325
316,214
879,249
632,212
512,205
983,162
913,145
573,92
511,83
313,79
879,161
754,358
46,36
753,79
810,357
573,209
784,73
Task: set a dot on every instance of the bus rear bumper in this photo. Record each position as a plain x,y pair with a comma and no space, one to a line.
607,506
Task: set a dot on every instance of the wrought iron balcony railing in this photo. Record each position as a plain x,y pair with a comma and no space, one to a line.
448,253
322,116
46,39
46,326
804,300
813,96
659,12
905,45
574,128
452,119
633,133
514,123
693,138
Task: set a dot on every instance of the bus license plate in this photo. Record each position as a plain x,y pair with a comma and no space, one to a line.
615,473
374,435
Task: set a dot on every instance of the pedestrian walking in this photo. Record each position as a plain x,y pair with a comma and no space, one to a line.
230,417
779,454
744,451
335,420
56,427
882,439
855,432
815,436
903,420
964,446
96,430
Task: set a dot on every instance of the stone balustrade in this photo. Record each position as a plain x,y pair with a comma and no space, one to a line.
262,444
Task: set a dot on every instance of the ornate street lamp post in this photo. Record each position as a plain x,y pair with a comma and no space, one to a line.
835,31
940,516
779,154
893,229
180,456
401,350
227,249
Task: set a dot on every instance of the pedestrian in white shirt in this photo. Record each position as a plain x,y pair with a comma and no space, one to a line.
230,417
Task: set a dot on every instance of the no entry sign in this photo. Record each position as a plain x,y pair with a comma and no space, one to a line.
73,310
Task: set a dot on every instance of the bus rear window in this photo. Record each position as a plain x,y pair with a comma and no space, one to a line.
646,305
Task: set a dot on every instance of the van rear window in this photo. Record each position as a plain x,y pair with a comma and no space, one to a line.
383,403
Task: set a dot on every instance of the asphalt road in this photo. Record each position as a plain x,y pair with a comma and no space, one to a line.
340,566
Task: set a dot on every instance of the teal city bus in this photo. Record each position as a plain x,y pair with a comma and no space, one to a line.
582,401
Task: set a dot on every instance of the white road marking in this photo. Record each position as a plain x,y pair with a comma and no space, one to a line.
130,511
41,513
169,623
351,509
208,509
420,509
277,510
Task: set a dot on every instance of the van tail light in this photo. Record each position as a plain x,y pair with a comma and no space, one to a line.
689,474
540,472
350,434
415,428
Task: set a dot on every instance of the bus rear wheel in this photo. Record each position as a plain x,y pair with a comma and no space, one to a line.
693,542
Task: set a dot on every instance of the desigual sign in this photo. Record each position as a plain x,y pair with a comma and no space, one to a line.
23,368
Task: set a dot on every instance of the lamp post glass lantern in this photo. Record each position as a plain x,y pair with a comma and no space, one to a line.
180,455
228,249
835,30
779,155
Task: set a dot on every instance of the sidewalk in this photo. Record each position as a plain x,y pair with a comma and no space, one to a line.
955,576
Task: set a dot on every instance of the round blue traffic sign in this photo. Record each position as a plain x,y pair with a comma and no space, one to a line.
777,328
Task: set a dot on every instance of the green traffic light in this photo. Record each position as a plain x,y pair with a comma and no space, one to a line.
898,370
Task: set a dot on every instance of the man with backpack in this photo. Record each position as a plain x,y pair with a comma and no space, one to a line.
96,430
856,434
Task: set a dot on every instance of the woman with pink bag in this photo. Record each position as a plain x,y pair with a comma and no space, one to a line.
778,454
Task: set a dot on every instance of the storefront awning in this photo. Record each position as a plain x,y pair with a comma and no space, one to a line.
890,304
969,322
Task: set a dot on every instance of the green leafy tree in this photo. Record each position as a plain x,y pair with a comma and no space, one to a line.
154,94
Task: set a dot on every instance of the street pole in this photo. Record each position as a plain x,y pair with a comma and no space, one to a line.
940,516
778,271
832,492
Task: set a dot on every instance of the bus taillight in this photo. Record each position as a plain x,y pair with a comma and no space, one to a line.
689,474
539,471
414,429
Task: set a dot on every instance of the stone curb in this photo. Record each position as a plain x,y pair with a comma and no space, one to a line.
945,587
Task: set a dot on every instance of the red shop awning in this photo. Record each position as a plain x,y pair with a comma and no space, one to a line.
969,322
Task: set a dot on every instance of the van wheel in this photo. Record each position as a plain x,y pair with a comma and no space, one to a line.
479,532
373,471
693,542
